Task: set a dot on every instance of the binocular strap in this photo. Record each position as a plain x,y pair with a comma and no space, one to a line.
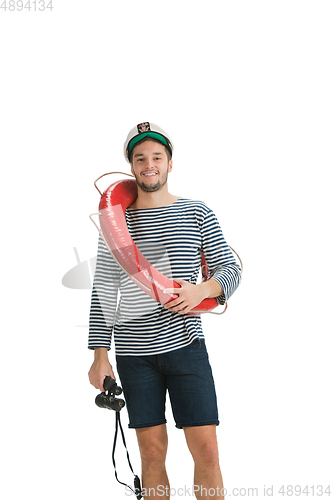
137,486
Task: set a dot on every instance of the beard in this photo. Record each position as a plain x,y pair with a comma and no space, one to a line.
152,188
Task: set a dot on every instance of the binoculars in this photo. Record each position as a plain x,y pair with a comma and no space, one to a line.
108,398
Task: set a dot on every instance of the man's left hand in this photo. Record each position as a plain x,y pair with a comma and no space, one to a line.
189,296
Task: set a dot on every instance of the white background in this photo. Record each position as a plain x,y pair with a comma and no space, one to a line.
244,88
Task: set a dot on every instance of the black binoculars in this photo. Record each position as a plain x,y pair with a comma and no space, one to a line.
109,400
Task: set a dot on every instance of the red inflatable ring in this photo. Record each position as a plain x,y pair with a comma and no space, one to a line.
114,201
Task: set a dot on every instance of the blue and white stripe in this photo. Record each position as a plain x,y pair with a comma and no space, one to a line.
172,238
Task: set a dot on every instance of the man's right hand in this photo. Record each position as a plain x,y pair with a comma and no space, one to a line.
100,369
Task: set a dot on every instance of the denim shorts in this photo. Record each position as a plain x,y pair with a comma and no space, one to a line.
187,376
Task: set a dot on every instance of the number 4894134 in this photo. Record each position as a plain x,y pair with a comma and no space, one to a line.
29,5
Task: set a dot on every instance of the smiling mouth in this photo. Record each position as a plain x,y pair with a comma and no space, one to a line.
149,174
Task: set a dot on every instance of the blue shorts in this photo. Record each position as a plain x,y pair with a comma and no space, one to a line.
185,373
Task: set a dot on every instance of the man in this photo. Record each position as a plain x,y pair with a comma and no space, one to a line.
161,348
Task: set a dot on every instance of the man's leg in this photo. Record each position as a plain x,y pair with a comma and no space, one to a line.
202,443
153,444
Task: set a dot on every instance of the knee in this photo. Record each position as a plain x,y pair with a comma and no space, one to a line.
206,454
153,450
204,449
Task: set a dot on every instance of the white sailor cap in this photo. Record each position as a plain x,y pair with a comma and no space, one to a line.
143,130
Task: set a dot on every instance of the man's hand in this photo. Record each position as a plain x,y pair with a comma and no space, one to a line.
100,369
190,295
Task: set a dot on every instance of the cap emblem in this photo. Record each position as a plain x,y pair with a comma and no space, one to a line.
143,127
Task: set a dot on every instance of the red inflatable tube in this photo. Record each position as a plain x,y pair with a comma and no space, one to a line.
113,204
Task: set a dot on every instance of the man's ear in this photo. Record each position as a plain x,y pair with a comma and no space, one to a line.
170,166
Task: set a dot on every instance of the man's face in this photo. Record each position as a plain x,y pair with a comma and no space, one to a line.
150,166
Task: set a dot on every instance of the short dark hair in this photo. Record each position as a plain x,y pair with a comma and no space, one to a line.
153,140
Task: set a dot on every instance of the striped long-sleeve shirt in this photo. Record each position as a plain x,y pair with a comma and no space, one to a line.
173,239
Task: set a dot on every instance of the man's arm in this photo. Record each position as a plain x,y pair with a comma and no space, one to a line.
225,271
220,260
103,299
211,288
102,314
